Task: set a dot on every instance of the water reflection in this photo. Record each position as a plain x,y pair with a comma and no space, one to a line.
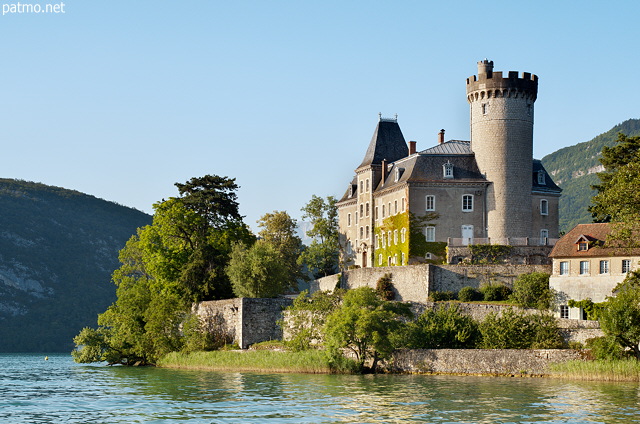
60,391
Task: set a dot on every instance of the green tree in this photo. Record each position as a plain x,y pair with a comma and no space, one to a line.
322,256
620,315
617,199
279,230
177,260
257,271
519,330
363,324
441,328
532,291
307,316
144,322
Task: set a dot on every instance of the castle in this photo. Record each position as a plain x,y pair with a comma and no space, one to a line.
488,190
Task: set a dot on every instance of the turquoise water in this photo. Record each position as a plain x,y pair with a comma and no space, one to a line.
33,390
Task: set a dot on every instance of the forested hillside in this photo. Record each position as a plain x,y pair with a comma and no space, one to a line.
574,169
58,249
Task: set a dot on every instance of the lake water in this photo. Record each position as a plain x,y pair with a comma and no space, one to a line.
33,390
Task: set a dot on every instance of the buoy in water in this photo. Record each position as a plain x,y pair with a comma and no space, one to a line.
46,358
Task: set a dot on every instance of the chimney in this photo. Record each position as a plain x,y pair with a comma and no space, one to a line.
384,170
412,147
441,137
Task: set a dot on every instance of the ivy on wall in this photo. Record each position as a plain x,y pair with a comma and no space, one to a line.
392,249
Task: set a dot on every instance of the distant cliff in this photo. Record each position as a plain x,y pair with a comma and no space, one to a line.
574,169
58,249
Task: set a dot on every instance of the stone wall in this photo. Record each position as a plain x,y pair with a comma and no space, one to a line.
245,320
479,361
521,255
455,277
413,283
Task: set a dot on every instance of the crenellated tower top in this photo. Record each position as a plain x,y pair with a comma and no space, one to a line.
489,84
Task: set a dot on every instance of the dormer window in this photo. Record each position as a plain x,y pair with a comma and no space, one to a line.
541,180
447,170
583,246
398,174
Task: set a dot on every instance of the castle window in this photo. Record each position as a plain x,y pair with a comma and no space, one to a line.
367,185
389,208
403,235
389,238
403,259
564,311
356,217
564,268
352,190
544,236
430,233
377,240
389,261
604,267
380,259
447,170
361,210
584,267
361,232
376,212
397,177
485,108
349,248
383,211
403,204
367,208
544,207
467,203
431,203
349,220
395,236
395,207
541,180
381,239
626,265
361,186
395,259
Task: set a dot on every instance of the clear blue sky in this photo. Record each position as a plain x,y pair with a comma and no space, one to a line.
121,99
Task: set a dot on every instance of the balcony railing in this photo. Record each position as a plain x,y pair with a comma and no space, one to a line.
511,241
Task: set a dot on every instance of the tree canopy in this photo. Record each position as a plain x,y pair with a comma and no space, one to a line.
177,260
620,314
618,199
322,255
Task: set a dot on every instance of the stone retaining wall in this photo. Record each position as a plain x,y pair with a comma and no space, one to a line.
245,320
478,361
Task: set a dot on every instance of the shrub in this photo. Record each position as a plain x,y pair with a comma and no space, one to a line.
442,328
437,296
384,287
469,294
532,291
605,348
518,330
492,292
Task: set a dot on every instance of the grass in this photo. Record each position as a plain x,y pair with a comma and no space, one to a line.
601,370
309,361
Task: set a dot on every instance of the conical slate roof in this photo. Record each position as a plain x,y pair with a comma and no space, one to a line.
387,143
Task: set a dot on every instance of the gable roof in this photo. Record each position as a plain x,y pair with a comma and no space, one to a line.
596,235
387,143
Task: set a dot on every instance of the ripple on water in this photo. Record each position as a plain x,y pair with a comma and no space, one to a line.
36,391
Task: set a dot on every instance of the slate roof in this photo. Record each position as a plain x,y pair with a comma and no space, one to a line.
387,143
427,166
548,186
597,234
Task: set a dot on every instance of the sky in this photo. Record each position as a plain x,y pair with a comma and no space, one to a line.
122,99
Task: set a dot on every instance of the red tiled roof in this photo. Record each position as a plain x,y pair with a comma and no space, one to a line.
567,246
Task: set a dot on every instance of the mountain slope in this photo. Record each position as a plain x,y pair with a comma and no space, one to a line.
574,169
58,249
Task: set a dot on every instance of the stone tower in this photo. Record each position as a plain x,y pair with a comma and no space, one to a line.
501,109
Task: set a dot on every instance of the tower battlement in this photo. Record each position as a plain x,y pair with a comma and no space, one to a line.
489,83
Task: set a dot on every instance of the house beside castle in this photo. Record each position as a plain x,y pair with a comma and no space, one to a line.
583,268
488,190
